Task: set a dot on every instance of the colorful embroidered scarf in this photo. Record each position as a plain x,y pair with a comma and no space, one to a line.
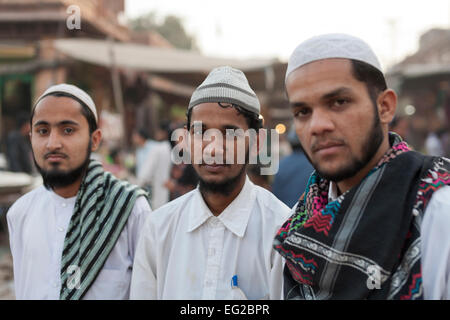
101,211
366,243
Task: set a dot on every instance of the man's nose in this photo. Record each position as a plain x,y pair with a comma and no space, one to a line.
54,141
321,122
216,145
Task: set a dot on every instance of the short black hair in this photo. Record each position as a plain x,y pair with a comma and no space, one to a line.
143,133
22,118
253,119
372,77
85,111
164,126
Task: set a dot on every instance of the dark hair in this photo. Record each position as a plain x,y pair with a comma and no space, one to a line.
113,153
189,176
143,133
397,119
253,119
371,76
22,118
164,126
85,111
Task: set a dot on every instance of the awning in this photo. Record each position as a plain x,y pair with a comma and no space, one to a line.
147,58
420,70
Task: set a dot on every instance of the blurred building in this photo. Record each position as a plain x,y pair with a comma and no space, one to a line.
29,62
135,78
422,81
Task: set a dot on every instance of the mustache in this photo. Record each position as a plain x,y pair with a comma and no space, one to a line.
323,143
206,162
59,154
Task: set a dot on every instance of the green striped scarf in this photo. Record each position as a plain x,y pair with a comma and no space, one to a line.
101,211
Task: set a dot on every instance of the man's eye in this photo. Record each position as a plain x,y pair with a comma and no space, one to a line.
42,131
302,112
230,134
68,130
340,102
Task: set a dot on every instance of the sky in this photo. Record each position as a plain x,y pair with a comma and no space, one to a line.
273,28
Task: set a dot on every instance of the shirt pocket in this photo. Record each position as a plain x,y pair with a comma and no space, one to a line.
238,294
110,284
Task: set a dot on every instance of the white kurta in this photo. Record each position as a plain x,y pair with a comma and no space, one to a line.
141,156
156,172
37,224
435,244
185,252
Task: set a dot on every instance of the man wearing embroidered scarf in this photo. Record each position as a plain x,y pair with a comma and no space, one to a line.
74,237
374,220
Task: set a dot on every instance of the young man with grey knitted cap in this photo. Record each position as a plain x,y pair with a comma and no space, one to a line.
215,242
75,236
374,220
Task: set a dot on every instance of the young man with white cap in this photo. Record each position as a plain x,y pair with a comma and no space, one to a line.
74,237
374,220
215,242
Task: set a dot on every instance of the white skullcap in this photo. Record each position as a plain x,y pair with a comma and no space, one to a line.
228,85
333,45
74,91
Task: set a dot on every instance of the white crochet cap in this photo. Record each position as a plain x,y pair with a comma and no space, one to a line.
333,45
74,91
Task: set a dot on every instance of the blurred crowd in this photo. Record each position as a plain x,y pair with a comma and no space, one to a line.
148,164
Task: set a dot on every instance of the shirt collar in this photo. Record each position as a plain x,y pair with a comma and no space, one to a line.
58,198
235,217
332,192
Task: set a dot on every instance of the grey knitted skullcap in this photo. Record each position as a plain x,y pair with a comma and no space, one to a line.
74,91
333,45
226,85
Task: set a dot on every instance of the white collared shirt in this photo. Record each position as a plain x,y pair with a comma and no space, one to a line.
37,224
435,243
185,252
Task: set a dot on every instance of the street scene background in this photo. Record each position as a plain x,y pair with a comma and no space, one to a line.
141,60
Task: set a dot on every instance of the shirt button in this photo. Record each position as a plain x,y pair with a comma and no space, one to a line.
55,284
61,229
64,205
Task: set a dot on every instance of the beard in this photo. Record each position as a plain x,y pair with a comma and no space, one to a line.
370,146
224,187
56,178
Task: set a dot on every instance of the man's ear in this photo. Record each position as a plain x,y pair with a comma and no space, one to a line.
96,139
387,104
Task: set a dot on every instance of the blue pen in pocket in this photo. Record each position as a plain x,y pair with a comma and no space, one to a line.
234,281
236,292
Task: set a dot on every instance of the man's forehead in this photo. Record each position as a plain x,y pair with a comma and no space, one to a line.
326,85
56,102
321,77
212,114
324,66
57,108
